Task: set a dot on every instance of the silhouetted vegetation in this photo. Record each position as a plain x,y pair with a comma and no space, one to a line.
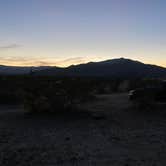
54,94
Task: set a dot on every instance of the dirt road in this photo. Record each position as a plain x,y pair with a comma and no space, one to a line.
112,134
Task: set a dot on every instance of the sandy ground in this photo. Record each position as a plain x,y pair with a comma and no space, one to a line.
113,133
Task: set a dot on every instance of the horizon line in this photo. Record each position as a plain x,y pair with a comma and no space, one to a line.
73,64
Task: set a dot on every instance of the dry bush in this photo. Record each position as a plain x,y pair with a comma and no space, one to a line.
144,103
57,96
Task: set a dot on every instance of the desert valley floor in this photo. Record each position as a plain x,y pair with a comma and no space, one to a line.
109,133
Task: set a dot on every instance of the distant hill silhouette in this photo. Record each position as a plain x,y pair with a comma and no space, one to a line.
119,68
15,70
115,68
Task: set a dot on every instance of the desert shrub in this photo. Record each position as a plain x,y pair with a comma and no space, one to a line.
8,97
124,86
36,104
56,95
144,103
47,103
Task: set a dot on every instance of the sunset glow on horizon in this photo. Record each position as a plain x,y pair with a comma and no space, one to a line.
67,62
62,32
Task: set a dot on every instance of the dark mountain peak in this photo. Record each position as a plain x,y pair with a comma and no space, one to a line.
110,62
120,61
120,67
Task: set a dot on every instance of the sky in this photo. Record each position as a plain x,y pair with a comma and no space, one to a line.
65,32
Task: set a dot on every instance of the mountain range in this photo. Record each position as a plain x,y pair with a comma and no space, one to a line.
16,70
115,68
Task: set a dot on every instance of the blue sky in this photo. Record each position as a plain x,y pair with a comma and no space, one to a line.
64,32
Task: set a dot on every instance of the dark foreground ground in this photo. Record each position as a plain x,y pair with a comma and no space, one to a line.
113,133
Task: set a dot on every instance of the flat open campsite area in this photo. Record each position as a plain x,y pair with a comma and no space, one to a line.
108,132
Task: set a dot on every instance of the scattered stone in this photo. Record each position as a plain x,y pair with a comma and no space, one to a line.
98,116
67,138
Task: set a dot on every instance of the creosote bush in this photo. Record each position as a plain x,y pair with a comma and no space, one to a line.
55,96
144,103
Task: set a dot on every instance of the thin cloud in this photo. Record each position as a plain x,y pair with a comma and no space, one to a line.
42,63
71,61
27,61
13,59
61,62
9,46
